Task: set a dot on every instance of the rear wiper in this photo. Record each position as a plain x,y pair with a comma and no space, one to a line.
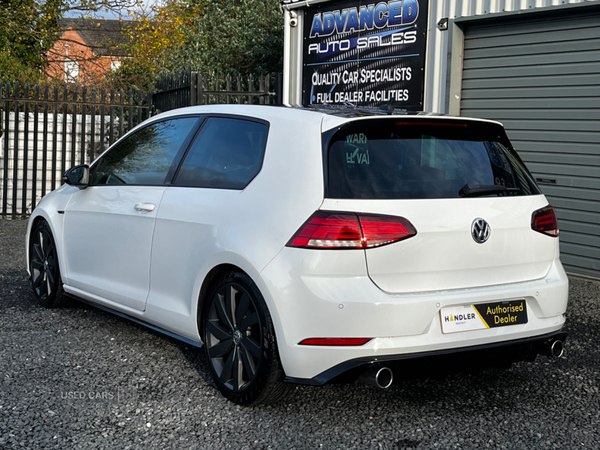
481,189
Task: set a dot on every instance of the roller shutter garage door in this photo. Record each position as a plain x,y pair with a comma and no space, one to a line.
540,76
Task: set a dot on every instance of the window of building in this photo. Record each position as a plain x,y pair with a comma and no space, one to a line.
71,71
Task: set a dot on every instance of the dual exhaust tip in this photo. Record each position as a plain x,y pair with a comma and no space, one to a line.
383,377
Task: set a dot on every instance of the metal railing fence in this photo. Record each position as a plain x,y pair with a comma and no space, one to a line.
47,129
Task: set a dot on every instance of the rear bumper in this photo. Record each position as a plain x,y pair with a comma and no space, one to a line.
439,362
325,294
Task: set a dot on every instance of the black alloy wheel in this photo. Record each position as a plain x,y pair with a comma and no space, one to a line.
43,265
234,337
239,342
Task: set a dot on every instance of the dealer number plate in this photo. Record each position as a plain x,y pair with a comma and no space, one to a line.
484,315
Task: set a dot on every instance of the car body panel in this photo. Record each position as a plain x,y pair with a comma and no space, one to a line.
51,209
194,233
332,121
444,255
108,242
349,304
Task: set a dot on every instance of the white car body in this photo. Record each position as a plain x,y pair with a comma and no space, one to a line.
152,264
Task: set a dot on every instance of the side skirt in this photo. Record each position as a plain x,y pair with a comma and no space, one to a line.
139,322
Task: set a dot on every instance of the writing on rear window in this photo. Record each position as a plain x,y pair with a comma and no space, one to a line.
357,157
357,151
356,138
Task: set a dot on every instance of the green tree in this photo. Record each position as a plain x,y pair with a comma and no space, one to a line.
133,73
28,28
244,36
156,34
226,36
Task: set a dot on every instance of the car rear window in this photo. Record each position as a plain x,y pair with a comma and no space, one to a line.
403,159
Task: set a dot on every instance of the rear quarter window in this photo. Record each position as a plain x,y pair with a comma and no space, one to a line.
393,159
227,154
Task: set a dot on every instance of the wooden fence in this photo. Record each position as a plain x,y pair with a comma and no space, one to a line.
46,130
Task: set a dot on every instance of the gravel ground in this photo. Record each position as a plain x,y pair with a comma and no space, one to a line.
77,377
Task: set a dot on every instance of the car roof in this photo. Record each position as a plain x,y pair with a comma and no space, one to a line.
329,116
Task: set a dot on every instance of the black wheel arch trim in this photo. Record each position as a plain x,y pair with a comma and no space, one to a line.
211,277
365,362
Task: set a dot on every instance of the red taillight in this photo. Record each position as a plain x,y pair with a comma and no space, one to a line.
342,230
336,342
544,221
329,230
382,230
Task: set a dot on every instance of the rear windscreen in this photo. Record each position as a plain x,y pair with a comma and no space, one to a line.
392,159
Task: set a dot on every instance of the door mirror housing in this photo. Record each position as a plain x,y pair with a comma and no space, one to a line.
78,176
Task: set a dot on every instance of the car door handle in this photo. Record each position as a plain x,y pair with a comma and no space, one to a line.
145,207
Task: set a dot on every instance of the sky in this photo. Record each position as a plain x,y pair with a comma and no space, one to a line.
146,5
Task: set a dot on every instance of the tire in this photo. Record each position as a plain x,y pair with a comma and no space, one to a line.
239,342
43,266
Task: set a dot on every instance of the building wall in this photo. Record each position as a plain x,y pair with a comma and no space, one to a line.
440,43
71,46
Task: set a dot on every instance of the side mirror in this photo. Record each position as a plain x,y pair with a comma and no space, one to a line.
78,176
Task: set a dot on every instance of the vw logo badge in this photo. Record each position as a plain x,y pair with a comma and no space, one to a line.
480,230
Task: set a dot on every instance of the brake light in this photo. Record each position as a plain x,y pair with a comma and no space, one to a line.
544,221
336,342
434,124
343,230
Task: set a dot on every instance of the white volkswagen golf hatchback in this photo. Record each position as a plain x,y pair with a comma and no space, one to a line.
311,246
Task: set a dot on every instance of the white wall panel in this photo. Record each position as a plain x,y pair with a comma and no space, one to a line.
51,153
437,51
541,79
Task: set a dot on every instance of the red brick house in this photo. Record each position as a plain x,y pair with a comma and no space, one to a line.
88,49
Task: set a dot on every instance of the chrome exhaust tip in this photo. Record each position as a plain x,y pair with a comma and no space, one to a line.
557,349
554,348
381,377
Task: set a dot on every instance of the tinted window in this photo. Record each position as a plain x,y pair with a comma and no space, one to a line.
226,154
388,159
146,156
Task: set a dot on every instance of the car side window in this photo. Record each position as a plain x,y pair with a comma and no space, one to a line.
227,154
145,157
